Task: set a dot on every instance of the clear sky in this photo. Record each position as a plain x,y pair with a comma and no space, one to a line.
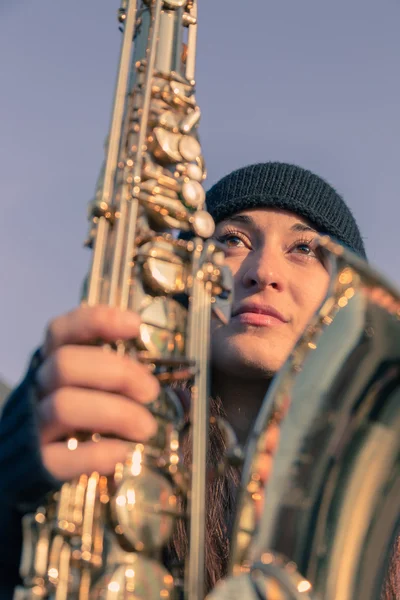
311,82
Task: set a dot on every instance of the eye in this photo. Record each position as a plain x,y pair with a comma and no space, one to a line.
305,248
234,239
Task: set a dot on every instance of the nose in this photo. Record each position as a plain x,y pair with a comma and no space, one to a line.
264,268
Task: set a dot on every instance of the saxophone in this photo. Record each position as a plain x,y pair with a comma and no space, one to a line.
102,537
330,511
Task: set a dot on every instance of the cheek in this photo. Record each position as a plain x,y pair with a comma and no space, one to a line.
238,267
233,263
311,292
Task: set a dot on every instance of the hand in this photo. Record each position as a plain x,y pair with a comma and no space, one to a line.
91,389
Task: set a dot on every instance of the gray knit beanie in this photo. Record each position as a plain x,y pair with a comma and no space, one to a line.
284,186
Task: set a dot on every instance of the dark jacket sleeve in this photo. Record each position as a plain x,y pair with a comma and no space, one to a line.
24,479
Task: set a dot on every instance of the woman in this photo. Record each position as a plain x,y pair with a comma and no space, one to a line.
268,217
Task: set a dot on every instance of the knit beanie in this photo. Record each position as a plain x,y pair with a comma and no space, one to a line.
291,188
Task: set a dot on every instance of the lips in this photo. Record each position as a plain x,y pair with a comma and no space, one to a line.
259,315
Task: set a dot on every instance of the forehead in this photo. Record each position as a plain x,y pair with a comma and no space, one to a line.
267,218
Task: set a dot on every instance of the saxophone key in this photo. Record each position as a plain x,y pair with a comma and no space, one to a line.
135,577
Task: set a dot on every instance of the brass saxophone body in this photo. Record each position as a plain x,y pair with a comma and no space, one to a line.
331,508
103,537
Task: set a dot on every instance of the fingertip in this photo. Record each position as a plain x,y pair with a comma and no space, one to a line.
124,319
151,427
130,318
155,389
122,324
110,323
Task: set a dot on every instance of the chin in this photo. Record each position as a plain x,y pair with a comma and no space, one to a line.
249,354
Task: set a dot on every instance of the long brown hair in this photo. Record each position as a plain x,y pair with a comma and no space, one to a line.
220,501
391,588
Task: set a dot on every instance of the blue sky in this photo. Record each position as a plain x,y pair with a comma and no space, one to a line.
314,83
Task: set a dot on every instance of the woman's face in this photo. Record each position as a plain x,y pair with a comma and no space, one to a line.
280,281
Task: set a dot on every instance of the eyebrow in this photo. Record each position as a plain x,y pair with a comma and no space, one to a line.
302,227
246,220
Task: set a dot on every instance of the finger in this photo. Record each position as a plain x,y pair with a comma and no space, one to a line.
96,368
70,410
102,456
90,323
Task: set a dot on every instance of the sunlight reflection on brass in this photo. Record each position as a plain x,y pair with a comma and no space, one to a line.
174,458
174,445
145,336
114,586
72,444
131,497
346,276
118,473
304,586
40,518
121,500
136,462
267,558
53,573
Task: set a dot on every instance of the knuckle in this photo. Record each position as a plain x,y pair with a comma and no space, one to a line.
50,335
100,317
105,321
59,406
109,316
49,460
61,363
110,319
